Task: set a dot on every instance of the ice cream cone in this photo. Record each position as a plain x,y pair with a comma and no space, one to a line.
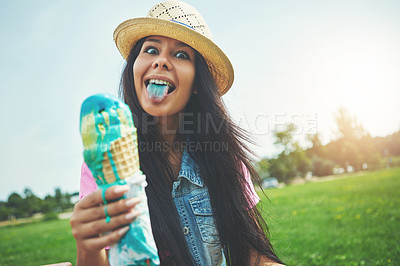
111,152
124,155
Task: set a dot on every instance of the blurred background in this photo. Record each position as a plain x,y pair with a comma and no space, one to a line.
317,85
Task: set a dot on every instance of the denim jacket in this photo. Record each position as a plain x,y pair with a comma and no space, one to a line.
192,201
193,204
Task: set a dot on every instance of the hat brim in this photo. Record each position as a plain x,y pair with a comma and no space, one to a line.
129,32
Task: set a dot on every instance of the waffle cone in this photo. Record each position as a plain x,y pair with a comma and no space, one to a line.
125,156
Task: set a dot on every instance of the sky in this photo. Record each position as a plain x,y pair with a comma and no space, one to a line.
295,61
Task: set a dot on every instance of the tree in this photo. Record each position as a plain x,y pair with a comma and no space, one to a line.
347,125
346,149
301,161
49,204
15,202
19,206
63,200
262,168
321,166
293,160
5,212
316,146
32,203
285,138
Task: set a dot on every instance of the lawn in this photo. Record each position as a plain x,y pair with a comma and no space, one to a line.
352,220
37,243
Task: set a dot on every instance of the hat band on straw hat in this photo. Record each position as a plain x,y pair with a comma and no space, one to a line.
181,23
178,20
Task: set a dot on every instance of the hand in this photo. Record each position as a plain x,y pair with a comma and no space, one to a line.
88,220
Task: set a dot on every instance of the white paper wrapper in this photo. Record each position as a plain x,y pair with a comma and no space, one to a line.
137,246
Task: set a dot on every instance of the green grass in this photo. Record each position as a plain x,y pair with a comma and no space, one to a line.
347,221
37,243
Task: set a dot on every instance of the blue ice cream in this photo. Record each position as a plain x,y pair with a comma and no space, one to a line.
105,123
104,119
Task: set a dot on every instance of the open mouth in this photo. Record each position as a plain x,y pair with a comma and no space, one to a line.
162,85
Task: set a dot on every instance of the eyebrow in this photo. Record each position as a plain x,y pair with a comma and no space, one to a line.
180,44
153,40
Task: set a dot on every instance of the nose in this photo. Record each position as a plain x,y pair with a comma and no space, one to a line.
162,62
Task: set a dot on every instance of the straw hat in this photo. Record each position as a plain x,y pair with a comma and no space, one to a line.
180,21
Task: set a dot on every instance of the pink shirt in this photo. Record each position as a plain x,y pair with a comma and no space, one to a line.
88,184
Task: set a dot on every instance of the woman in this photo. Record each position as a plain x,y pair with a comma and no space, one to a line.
200,195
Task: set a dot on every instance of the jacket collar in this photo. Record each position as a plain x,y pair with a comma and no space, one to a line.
190,170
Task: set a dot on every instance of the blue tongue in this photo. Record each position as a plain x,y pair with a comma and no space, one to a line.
157,91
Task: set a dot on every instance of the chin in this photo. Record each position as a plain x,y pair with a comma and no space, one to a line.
158,112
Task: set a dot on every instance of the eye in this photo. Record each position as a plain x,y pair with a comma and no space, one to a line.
182,55
151,50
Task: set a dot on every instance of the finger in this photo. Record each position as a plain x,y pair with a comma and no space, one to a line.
93,229
113,209
96,198
101,242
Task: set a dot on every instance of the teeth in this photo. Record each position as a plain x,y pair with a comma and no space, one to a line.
160,82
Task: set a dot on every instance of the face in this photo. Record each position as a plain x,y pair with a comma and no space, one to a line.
163,73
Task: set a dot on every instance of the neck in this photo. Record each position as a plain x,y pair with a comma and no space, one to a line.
168,127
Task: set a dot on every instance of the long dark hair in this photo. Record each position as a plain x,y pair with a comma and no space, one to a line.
240,227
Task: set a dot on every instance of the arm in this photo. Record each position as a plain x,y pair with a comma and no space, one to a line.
91,258
88,223
257,259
